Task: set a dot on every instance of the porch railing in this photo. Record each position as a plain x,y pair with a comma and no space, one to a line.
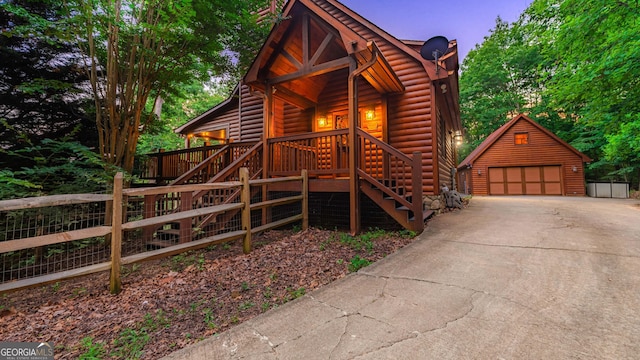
166,166
171,165
320,153
211,166
393,174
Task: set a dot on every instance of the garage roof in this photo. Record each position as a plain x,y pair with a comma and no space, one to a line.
494,136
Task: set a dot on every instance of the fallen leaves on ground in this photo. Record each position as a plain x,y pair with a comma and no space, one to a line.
168,304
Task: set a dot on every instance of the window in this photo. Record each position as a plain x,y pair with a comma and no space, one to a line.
522,138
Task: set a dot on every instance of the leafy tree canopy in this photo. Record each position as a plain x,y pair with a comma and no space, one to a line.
138,50
573,66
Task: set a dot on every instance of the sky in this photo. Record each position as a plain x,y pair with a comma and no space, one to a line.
467,21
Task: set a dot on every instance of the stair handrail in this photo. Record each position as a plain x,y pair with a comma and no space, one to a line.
415,162
234,167
189,174
231,169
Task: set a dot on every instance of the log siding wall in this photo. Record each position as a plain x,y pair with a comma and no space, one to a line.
410,113
251,113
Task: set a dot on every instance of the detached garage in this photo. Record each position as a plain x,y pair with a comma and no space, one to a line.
523,158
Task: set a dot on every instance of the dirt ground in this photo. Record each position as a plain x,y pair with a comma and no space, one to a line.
170,303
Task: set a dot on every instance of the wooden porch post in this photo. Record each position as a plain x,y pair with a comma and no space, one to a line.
354,193
266,150
385,134
267,131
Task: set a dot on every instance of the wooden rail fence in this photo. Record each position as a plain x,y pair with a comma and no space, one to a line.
116,225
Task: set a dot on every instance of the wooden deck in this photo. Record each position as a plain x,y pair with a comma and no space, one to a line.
384,174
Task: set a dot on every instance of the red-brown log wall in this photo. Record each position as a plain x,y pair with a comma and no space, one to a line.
446,153
227,120
251,114
541,150
409,113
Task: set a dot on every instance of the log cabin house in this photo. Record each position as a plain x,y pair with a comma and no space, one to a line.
371,121
523,158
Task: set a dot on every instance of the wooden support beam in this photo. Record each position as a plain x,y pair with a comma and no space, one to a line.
315,70
354,193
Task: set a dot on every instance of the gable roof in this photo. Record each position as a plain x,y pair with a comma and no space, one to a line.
227,104
494,136
351,39
430,66
311,42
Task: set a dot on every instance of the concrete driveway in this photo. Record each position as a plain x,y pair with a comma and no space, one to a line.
506,278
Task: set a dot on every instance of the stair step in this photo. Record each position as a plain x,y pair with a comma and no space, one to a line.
170,231
425,215
168,234
160,244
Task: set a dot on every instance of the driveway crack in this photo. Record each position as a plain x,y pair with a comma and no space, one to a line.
544,248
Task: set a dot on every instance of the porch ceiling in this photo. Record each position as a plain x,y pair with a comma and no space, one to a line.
301,53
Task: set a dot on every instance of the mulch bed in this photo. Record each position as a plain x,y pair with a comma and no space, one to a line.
168,304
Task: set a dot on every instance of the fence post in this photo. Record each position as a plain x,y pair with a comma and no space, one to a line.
186,204
305,199
245,198
416,191
115,283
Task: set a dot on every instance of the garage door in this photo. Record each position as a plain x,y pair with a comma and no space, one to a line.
525,180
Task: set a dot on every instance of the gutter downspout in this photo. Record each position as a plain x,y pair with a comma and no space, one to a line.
354,193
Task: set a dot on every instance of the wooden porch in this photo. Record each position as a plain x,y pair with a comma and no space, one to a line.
390,178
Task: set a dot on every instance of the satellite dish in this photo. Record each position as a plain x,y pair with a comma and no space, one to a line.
434,48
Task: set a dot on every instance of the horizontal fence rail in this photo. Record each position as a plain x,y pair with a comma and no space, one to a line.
48,239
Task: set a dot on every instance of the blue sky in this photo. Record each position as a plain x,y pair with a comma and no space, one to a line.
467,21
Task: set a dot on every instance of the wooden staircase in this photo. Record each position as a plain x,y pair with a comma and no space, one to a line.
392,180
399,210
172,233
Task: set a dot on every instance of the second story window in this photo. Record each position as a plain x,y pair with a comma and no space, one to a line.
522,138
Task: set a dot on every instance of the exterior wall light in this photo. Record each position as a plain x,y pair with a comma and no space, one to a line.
322,121
458,137
369,115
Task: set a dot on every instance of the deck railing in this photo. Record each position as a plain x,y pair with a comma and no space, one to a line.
171,165
214,164
320,153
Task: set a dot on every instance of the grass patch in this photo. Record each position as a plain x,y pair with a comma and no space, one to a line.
91,350
182,261
358,263
131,341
